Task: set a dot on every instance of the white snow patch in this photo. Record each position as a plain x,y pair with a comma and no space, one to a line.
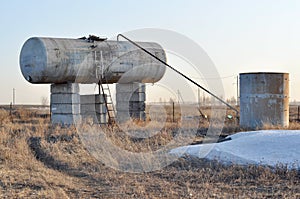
266,147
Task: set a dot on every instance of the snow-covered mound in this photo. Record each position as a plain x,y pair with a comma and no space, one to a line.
267,147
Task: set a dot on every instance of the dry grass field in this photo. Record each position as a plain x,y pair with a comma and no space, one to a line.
41,161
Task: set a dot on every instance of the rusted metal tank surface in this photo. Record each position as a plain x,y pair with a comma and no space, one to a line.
56,60
264,99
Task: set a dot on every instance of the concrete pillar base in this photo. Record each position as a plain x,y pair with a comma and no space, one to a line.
65,104
92,108
130,101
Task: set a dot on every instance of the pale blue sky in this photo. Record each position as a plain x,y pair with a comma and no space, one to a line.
238,35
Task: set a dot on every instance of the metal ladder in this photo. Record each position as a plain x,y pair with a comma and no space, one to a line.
105,91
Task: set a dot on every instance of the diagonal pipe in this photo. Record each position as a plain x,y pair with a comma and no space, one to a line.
186,77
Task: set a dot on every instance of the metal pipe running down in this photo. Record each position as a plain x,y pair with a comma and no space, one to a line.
186,77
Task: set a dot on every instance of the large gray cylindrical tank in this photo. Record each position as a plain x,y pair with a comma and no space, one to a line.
264,99
54,60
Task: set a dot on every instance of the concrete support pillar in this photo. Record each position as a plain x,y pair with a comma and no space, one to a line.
65,104
130,101
92,107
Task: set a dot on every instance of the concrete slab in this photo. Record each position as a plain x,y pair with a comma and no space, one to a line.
92,108
95,118
126,96
138,115
130,106
65,108
65,88
67,98
91,99
65,119
132,87
123,116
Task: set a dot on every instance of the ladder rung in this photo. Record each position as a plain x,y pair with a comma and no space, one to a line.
108,102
